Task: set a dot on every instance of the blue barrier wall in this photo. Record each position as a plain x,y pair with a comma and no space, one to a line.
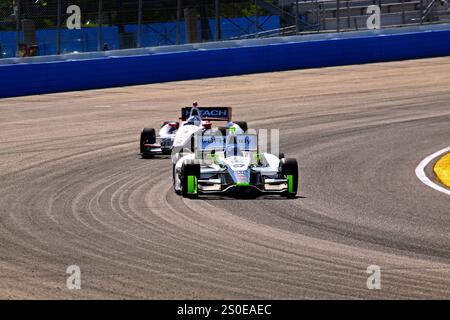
39,78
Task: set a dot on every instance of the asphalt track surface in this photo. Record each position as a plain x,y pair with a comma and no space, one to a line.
74,191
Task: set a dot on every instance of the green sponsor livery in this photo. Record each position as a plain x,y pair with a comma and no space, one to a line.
192,184
290,180
242,184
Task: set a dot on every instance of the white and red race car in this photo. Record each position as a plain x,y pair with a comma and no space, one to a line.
177,136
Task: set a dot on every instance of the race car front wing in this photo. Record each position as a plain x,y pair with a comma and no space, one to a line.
221,185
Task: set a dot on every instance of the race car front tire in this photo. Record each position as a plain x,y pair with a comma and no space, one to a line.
289,170
223,131
189,181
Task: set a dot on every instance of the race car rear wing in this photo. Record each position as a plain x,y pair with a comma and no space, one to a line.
209,113
206,142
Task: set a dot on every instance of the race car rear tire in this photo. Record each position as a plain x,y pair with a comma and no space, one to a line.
223,131
242,124
289,170
189,181
148,136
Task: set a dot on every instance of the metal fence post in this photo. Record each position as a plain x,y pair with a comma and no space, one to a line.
139,25
218,35
338,14
380,5
18,13
403,12
348,14
421,11
99,28
256,19
178,20
324,23
58,30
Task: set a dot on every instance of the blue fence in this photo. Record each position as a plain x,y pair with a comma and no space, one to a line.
39,78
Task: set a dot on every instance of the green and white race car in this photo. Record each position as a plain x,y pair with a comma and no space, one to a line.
226,164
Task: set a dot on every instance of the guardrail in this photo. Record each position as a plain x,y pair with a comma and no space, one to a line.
226,59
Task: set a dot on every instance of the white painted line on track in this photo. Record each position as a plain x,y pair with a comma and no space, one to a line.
420,171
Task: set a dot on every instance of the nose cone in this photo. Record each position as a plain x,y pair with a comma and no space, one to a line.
239,170
241,178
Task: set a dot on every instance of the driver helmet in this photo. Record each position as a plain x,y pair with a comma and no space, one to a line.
232,150
194,120
234,128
